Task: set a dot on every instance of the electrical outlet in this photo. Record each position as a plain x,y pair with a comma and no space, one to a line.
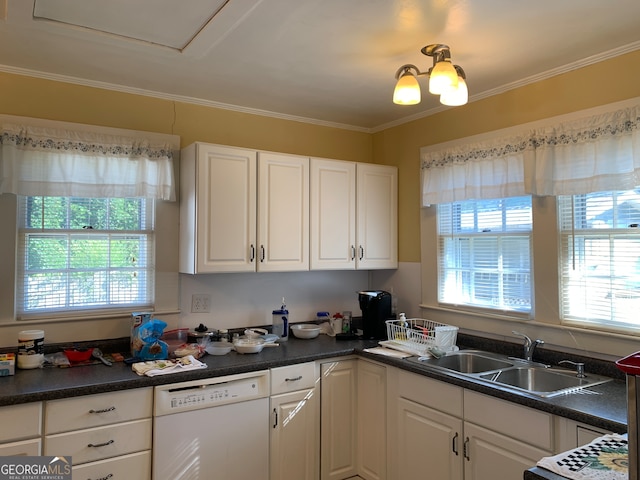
200,303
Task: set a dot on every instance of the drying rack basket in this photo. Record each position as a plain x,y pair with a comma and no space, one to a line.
419,334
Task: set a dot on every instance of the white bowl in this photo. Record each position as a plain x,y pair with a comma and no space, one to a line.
305,330
218,348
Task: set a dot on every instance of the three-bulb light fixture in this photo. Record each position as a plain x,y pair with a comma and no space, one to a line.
445,79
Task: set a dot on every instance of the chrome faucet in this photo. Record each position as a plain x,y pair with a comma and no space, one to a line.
529,345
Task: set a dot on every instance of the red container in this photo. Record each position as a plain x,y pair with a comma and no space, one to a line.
75,355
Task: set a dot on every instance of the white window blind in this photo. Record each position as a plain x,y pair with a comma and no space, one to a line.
79,254
484,257
600,259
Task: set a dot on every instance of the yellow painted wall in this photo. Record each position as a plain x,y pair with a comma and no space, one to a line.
34,97
572,91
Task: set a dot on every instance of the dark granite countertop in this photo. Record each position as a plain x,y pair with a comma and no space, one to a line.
605,407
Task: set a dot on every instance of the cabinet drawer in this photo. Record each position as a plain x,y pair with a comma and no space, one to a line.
94,410
431,393
101,442
293,377
126,467
25,447
510,419
20,421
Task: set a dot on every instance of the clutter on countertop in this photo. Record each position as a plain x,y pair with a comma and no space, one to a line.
280,320
164,367
605,458
7,364
305,330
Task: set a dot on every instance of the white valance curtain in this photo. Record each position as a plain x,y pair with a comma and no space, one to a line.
589,154
61,162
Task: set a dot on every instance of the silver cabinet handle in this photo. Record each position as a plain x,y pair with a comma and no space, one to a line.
275,418
253,254
361,252
104,410
261,253
94,445
454,444
353,252
295,379
465,449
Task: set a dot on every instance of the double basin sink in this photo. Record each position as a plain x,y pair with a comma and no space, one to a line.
511,373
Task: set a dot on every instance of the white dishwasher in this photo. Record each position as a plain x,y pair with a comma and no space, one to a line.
215,428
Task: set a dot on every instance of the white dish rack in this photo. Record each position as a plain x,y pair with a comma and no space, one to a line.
417,335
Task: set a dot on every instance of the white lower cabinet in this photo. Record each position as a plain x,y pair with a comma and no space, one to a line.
353,420
372,425
447,432
21,429
108,435
295,430
571,434
338,419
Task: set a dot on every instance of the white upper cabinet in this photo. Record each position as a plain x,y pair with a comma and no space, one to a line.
333,215
353,215
283,212
243,211
217,209
377,218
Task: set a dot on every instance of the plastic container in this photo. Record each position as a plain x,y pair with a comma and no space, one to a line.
30,349
280,320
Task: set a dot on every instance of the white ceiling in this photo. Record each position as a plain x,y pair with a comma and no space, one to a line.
329,61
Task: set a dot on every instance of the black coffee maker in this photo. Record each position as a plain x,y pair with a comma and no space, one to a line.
376,310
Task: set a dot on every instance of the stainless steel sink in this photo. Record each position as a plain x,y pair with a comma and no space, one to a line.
544,382
511,373
467,361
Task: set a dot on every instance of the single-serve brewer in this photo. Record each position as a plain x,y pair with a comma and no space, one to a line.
376,310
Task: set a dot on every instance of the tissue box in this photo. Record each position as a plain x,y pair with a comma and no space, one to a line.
7,364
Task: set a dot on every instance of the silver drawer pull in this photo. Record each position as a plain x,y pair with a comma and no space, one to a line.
295,379
104,410
101,444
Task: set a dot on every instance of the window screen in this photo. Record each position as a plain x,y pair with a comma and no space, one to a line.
84,254
600,259
484,254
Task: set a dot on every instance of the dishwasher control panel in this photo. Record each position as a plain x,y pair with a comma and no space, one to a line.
210,392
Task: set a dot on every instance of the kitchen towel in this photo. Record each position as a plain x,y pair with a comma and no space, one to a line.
606,458
164,367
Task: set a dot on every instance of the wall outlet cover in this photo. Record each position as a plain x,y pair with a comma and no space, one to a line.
200,303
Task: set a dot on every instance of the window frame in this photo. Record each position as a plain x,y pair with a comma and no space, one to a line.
478,232
110,307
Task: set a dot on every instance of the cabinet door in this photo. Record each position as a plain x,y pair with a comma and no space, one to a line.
490,455
295,436
372,425
338,420
283,213
377,217
429,443
224,204
333,215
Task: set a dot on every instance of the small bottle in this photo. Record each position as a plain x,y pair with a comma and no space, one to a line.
223,333
280,322
322,316
346,322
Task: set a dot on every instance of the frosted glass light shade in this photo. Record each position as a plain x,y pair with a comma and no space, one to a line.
454,97
443,77
407,91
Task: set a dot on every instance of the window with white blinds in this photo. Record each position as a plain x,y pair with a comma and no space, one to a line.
484,257
600,259
81,254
